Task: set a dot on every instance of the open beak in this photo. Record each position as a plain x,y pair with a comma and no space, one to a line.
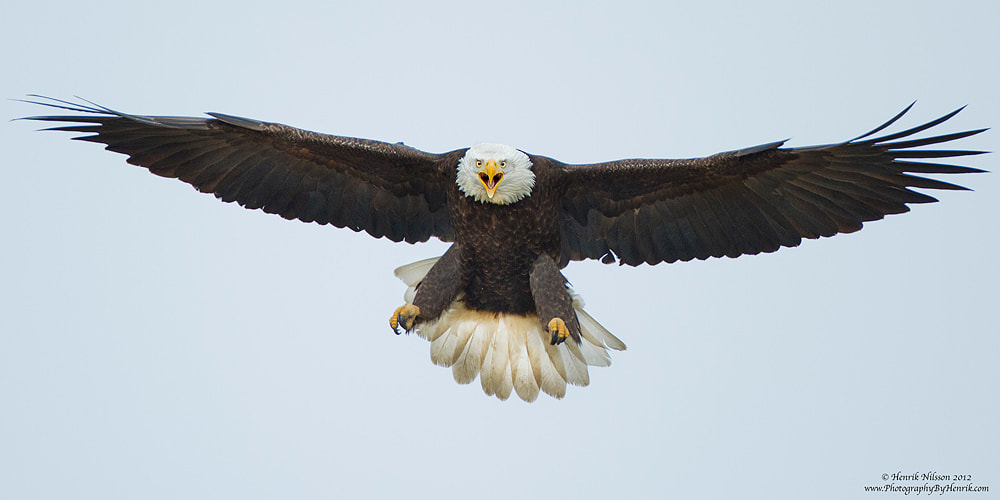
490,176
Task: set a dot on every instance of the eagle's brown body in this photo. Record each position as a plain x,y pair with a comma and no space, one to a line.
505,257
508,241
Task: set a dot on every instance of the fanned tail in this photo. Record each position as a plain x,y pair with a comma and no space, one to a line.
508,352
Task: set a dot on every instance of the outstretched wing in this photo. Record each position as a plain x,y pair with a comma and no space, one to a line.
748,201
388,190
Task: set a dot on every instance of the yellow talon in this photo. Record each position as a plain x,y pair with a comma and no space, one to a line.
402,319
558,330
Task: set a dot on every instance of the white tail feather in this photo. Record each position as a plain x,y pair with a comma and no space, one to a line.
510,353
470,362
525,383
412,273
546,374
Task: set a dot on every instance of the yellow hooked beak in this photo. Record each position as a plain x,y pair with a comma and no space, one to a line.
490,176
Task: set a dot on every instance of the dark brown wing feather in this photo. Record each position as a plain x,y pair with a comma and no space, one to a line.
748,201
388,190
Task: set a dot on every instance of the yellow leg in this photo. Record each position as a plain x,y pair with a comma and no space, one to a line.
558,330
402,319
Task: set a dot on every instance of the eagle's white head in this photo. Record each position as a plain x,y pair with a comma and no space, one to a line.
494,173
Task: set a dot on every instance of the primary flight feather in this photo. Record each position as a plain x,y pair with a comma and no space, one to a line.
495,305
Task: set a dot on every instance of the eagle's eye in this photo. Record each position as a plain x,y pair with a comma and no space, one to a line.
479,163
503,163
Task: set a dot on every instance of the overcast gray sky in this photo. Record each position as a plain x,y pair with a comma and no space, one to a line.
157,343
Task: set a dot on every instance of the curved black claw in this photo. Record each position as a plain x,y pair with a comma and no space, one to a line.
403,318
558,331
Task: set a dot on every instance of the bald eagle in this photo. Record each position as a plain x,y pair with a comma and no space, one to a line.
496,304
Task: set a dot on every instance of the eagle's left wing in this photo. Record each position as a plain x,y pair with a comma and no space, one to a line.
388,190
746,202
